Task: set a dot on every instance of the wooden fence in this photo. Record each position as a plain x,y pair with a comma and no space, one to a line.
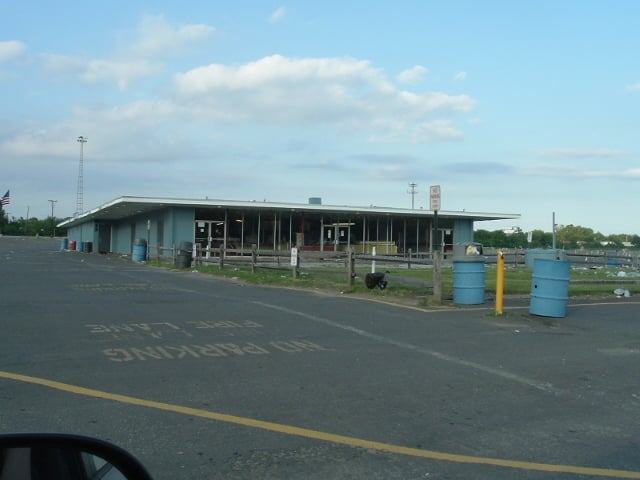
281,259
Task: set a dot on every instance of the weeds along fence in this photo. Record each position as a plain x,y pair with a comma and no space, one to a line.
281,259
577,258
324,262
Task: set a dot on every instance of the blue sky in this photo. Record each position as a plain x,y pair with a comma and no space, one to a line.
511,107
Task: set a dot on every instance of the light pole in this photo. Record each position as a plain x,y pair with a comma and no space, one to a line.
79,201
412,192
53,222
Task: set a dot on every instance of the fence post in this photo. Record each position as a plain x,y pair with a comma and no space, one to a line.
221,260
351,267
409,262
437,280
295,262
254,258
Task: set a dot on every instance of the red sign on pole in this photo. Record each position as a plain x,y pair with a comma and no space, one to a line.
434,197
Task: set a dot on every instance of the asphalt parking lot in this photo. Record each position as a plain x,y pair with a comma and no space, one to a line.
207,378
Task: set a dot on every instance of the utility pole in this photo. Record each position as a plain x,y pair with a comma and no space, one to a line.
412,191
53,222
79,200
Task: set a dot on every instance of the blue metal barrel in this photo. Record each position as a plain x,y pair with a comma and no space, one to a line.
550,288
532,254
64,244
468,282
139,250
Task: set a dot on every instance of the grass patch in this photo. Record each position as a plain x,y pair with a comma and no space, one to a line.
333,279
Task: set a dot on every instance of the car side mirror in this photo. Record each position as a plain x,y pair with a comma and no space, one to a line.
69,457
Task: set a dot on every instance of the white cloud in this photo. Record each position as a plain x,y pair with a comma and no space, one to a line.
157,37
120,72
276,70
63,63
577,171
582,153
346,92
428,132
460,76
412,75
278,14
634,87
11,50
387,172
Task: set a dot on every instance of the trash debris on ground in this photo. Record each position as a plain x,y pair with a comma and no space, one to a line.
621,292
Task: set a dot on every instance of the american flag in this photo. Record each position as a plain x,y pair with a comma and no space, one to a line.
6,199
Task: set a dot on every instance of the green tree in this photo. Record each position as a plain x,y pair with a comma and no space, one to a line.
572,236
3,219
541,239
569,237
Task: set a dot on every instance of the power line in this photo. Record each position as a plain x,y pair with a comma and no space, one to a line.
53,222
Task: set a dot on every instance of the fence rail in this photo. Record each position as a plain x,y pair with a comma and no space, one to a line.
266,258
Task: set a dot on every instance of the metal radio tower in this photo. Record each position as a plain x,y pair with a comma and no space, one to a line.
79,207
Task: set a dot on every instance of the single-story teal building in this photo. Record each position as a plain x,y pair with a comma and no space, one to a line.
166,222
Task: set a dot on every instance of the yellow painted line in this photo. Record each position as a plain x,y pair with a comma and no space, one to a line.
434,309
324,436
457,308
393,304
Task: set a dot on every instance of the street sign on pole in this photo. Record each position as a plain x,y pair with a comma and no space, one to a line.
434,198
434,205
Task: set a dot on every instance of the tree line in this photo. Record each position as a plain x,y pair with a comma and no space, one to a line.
31,227
569,237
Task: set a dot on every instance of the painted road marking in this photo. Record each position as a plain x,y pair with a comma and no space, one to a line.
439,309
167,331
208,351
543,386
323,436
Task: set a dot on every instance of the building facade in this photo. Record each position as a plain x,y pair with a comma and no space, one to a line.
166,222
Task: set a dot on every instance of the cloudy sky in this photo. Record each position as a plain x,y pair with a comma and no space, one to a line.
511,107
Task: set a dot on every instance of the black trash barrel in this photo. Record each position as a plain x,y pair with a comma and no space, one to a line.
185,252
374,280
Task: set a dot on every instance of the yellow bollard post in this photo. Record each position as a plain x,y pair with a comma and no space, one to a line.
500,283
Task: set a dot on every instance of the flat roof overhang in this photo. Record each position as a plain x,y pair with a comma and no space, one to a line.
128,206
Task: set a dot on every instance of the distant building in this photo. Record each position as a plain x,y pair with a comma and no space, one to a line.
511,230
114,226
